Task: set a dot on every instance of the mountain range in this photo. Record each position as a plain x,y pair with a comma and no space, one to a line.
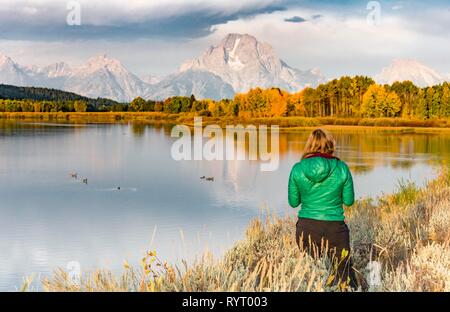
245,63
407,69
238,63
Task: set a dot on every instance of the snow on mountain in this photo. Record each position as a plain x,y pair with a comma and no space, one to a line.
102,76
238,63
12,73
151,79
244,63
56,70
412,70
204,85
51,76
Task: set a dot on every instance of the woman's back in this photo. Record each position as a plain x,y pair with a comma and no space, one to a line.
321,183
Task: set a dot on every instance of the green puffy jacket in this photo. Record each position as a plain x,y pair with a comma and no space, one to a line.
321,184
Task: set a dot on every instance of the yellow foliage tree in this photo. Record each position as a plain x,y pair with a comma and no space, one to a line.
378,102
80,106
296,104
276,102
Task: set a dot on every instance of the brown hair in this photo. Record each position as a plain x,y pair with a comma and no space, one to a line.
319,141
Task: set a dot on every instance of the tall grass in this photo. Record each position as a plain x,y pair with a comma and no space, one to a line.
407,233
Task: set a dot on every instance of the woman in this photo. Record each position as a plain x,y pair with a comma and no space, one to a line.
322,183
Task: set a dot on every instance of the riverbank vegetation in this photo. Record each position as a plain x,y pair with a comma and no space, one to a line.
352,98
32,99
407,234
285,123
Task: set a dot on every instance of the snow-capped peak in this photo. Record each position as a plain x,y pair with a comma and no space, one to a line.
244,62
5,59
105,77
101,61
233,59
239,62
412,70
12,73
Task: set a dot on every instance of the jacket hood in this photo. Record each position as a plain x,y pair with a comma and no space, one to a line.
317,169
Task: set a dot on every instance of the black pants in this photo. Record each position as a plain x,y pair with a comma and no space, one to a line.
317,236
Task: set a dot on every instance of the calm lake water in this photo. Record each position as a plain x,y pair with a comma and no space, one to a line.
48,218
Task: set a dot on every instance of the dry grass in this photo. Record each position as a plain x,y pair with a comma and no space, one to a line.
407,233
92,117
289,123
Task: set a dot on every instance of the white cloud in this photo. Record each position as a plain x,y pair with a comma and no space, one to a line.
116,12
339,44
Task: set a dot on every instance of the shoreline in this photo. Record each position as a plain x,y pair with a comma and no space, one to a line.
286,124
248,266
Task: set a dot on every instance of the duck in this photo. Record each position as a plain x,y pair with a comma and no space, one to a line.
210,179
118,188
74,175
85,181
202,177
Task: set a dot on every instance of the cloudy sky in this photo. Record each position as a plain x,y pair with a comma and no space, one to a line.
156,36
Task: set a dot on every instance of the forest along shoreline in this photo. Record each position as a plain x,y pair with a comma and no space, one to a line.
347,101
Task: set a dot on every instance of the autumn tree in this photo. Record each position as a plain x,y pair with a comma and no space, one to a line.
445,101
137,105
378,102
407,93
276,102
295,104
80,106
